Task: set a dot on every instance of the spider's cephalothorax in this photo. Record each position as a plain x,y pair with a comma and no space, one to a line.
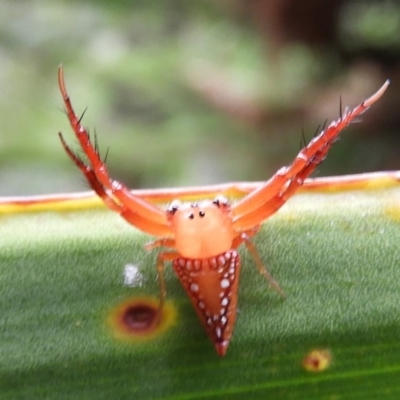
203,229
203,236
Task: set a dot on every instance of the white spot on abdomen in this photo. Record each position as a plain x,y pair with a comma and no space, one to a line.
194,287
224,301
224,283
218,332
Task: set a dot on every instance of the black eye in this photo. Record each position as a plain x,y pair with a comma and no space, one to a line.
174,206
221,201
191,216
202,214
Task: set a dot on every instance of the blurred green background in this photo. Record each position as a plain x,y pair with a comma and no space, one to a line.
193,92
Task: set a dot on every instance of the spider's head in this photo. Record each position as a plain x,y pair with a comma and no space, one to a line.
203,229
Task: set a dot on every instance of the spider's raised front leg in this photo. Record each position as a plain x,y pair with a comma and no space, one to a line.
115,195
265,201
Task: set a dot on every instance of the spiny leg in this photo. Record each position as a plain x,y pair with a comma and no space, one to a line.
255,217
306,161
265,201
118,191
245,237
134,219
90,177
129,215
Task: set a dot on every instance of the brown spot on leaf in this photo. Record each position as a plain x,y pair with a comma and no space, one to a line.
138,319
317,360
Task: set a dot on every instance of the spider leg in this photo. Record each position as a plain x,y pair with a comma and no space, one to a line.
272,205
161,259
288,179
98,177
165,242
245,237
128,214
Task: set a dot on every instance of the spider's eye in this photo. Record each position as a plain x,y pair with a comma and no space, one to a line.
202,214
174,206
221,201
191,216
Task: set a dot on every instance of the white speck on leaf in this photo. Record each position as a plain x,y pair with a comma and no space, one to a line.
132,276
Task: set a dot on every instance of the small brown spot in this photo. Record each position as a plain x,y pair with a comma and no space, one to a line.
317,360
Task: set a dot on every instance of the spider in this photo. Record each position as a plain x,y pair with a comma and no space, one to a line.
203,236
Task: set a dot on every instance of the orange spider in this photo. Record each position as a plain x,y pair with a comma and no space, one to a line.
204,235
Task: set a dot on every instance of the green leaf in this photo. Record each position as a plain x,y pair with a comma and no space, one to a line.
335,254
